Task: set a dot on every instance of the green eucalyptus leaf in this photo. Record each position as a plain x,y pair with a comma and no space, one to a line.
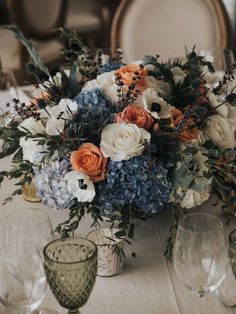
9,148
30,48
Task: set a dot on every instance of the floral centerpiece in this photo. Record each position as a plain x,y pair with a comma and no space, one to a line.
123,141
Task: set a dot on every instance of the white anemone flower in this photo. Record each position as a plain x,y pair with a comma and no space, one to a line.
80,186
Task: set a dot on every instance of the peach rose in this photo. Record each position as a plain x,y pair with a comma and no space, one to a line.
174,112
127,73
136,115
89,159
187,133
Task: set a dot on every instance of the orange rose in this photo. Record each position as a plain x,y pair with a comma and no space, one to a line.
89,159
187,133
136,115
127,73
174,112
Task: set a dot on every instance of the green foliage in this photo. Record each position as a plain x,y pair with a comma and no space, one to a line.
11,136
30,48
77,52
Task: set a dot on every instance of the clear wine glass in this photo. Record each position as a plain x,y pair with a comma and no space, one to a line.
28,230
26,276
8,91
28,223
200,253
226,292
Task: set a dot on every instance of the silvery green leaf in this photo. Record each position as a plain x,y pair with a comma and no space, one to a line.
30,48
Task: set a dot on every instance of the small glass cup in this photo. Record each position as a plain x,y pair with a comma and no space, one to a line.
110,257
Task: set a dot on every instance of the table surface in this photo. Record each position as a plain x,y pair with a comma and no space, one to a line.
148,283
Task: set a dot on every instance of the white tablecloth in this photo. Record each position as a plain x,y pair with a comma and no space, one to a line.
148,284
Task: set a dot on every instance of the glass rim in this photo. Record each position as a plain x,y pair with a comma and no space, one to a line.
97,229
231,242
220,226
69,263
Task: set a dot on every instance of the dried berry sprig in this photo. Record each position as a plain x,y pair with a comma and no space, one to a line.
127,94
25,111
118,56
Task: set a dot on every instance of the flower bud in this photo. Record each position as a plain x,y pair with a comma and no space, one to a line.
30,67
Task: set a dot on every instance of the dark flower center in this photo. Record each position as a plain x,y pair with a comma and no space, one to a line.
82,186
156,107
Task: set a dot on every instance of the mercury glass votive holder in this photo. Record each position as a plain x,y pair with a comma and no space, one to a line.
71,267
110,256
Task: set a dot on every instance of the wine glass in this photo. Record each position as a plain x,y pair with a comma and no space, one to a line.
28,223
200,253
71,268
25,228
8,91
226,292
26,281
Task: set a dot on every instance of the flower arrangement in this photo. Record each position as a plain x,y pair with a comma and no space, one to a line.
123,141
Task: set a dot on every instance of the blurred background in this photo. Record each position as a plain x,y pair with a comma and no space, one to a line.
92,19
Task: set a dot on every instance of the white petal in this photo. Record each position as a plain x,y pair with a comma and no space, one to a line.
73,186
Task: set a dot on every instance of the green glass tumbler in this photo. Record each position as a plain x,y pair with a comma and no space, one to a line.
71,267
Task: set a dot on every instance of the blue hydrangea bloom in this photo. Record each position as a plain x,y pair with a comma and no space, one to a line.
108,67
95,112
50,185
139,181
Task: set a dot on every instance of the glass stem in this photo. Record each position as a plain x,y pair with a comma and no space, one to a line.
201,300
74,312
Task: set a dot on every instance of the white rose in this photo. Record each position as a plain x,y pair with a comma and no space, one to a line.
199,140
122,141
31,150
80,186
58,114
105,82
232,116
220,131
215,101
150,97
32,125
178,75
